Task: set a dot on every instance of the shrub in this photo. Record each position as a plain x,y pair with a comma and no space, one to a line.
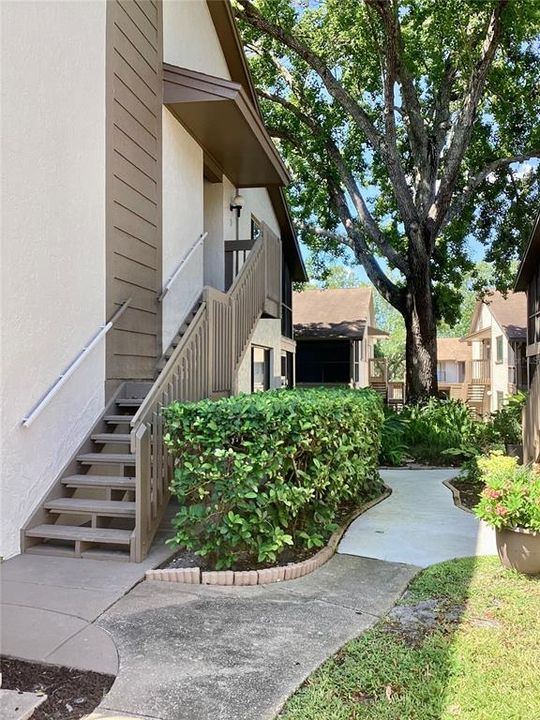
511,496
393,447
255,473
440,432
506,422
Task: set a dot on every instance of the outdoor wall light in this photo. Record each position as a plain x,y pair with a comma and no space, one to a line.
237,204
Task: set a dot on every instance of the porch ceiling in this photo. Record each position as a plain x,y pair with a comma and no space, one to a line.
219,115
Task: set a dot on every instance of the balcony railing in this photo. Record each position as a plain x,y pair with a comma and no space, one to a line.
479,371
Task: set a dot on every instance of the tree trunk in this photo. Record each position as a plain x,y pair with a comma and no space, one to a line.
421,339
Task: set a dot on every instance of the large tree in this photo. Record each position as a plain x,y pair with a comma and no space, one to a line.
406,125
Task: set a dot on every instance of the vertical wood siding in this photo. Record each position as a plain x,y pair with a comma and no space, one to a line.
134,101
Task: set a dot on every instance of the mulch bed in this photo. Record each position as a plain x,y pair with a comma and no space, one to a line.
71,693
188,559
469,492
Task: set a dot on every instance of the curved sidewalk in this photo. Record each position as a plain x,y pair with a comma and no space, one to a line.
418,524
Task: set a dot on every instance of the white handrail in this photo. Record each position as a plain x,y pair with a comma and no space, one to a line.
64,377
181,264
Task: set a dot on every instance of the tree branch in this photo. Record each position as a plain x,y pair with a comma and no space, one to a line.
348,180
462,126
463,198
384,285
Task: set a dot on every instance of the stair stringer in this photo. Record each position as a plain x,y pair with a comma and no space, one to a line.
56,490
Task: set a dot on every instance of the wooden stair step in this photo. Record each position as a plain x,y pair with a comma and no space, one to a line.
106,459
118,419
84,534
114,482
112,438
129,402
108,508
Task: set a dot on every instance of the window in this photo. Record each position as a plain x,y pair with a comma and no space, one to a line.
500,399
533,310
356,345
441,371
287,359
461,371
499,349
255,229
260,369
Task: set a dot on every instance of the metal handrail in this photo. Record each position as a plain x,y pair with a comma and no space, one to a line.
64,377
180,265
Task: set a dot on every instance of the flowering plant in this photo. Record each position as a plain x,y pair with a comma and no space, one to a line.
511,496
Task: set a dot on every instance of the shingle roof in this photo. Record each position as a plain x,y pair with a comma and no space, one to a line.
453,349
340,312
510,313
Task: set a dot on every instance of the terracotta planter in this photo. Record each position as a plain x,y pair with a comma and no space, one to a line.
519,549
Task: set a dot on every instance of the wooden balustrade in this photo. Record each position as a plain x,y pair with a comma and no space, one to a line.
204,364
479,371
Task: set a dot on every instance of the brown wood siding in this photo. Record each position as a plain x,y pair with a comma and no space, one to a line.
134,101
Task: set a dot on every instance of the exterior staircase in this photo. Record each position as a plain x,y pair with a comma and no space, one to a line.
476,398
112,494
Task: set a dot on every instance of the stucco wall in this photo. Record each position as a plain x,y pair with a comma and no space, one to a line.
183,46
182,222
268,335
53,241
499,371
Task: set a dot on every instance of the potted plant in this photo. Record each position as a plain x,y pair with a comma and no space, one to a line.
510,502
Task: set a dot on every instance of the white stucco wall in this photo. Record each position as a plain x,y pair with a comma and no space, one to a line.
53,241
499,371
267,334
183,216
214,225
182,46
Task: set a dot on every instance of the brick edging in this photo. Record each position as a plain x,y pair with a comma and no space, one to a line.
194,576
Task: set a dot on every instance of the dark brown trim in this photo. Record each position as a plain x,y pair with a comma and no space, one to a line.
531,259
221,118
231,45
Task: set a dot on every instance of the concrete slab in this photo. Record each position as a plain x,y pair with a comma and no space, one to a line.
80,602
32,633
15,705
48,603
90,649
418,524
237,653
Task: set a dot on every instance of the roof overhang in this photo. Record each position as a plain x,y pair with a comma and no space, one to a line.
377,332
223,121
482,334
531,260
335,331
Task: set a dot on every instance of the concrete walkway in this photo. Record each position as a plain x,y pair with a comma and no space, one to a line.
49,604
226,653
418,524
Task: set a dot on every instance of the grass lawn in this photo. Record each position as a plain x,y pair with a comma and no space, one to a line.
464,642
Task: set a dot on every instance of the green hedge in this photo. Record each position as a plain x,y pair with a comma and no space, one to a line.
255,473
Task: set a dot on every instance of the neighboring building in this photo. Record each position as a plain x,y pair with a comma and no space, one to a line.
453,358
528,280
335,337
498,366
129,268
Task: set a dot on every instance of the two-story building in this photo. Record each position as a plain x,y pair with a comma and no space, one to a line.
528,281
147,256
335,338
453,359
498,365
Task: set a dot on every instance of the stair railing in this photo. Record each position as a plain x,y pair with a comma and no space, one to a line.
181,265
202,365
74,364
